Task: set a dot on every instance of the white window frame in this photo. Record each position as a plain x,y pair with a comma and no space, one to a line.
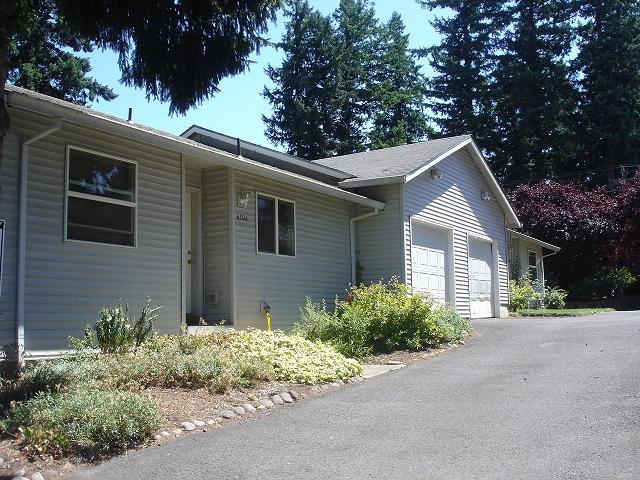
114,201
537,266
295,225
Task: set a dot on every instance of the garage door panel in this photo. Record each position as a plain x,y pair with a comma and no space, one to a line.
429,247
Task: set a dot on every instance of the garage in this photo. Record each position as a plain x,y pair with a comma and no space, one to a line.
481,278
430,258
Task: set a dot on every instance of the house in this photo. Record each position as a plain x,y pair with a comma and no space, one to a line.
97,208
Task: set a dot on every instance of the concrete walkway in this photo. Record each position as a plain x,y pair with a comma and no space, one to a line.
525,399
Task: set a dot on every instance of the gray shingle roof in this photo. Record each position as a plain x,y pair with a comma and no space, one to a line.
393,161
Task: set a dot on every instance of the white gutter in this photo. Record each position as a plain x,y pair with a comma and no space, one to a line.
352,235
22,233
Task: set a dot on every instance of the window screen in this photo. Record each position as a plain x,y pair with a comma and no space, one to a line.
276,226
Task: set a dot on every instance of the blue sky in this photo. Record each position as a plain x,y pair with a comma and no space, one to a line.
237,110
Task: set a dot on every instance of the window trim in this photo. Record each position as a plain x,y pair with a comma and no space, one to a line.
86,196
277,199
529,266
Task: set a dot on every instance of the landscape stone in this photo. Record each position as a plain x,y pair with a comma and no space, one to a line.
158,437
177,432
267,403
339,381
211,421
164,433
51,473
261,407
37,476
188,426
20,478
277,400
295,395
228,414
249,408
198,423
286,397
239,410
1,461
19,473
334,384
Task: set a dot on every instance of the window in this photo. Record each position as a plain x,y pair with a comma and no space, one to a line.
276,226
101,198
533,265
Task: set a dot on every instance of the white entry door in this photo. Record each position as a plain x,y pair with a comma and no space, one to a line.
481,278
429,261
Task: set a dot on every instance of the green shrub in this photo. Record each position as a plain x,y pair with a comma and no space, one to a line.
116,332
293,358
553,297
89,422
381,317
520,292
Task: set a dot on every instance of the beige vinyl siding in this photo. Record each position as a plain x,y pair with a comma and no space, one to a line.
454,201
320,270
68,282
9,187
216,243
193,176
379,248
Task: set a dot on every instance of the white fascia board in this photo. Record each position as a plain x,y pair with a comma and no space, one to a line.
546,245
188,147
369,182
480,161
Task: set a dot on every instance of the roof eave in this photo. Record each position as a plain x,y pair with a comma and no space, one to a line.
539,242
370,182
90,118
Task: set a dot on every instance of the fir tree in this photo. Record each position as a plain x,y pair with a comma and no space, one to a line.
399,91
40,60
534,97
356,34
609,65
303,98
460,90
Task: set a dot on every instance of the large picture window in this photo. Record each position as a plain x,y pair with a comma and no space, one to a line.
276,227
101,198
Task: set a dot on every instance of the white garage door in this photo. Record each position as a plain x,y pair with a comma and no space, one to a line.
480,278
429,260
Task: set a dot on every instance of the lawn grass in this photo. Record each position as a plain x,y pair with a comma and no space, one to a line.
561,312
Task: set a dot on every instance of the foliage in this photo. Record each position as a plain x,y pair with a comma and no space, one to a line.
459,92
293,358
116,332
346,83
619,279
381,317
608,67
202,42
520,293
304,95
41,58
89,422
553,297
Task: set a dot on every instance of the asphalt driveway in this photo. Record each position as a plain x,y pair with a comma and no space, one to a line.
526,399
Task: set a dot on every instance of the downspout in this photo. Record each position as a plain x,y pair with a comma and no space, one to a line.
22,233
352,234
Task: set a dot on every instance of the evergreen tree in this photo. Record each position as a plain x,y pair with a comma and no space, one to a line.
178,51
534,97
399,91
356,35
38,62
460,90
609,65
303,98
